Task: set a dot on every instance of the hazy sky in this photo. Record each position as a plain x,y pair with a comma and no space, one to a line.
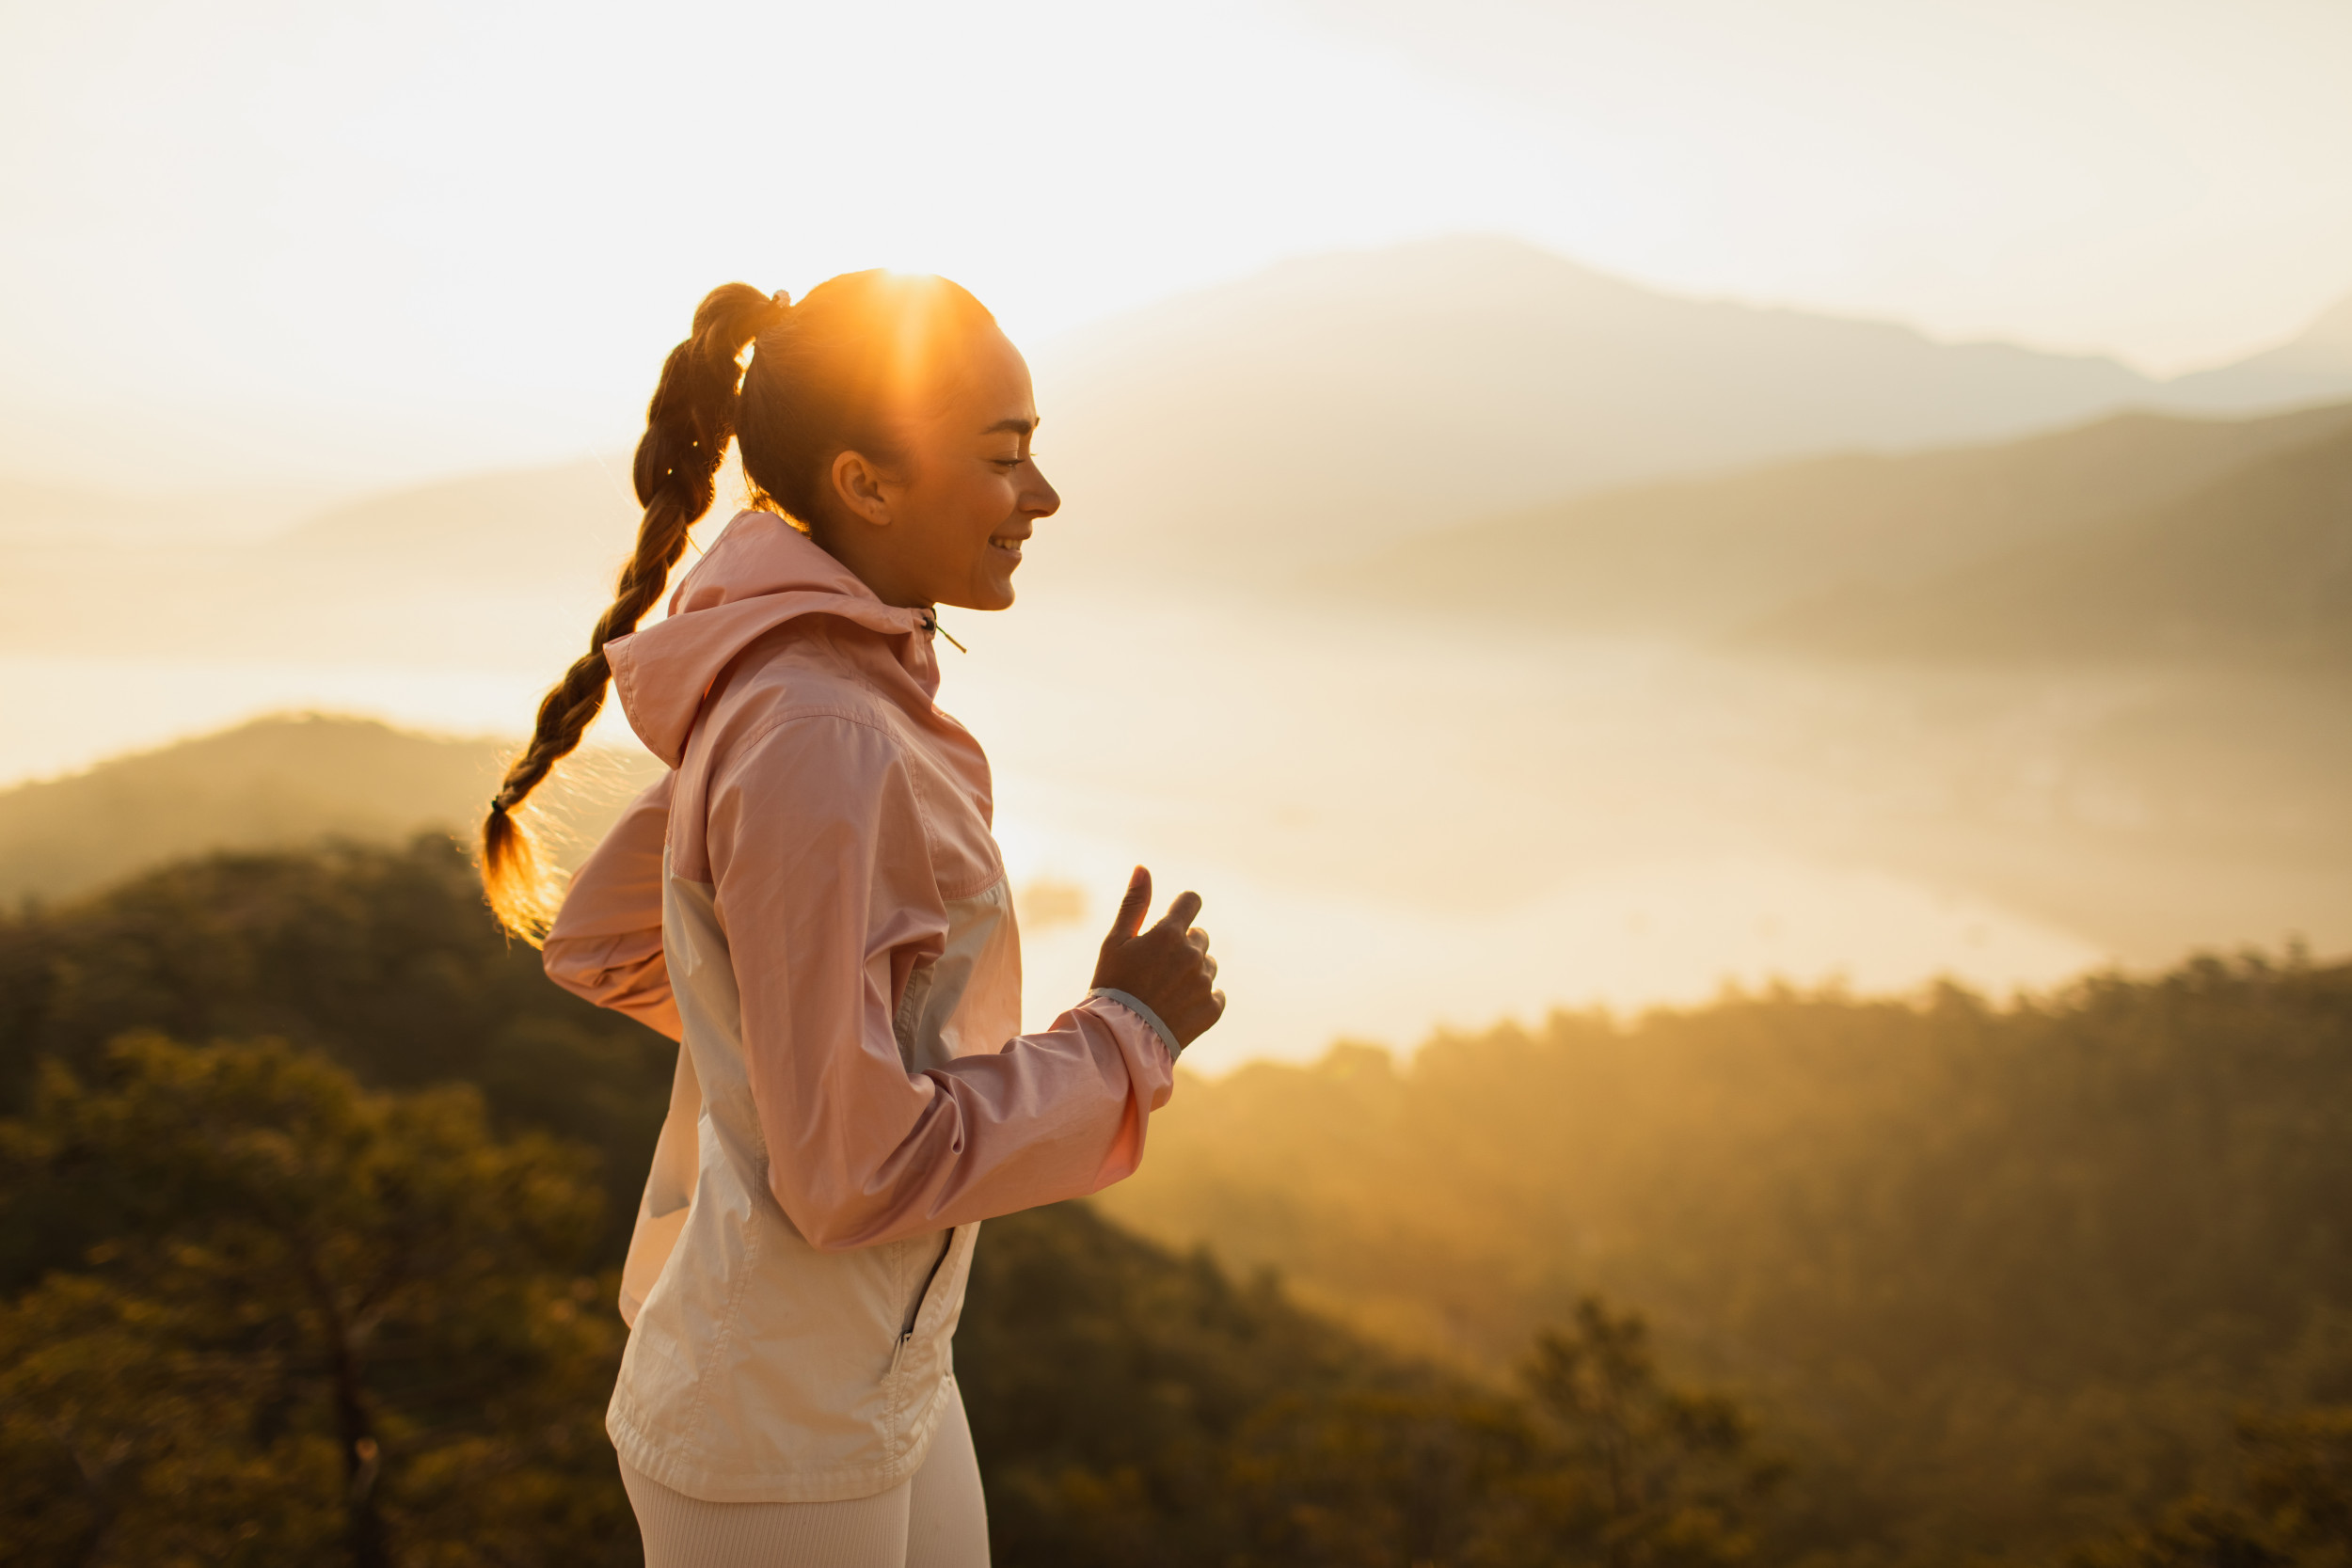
256,239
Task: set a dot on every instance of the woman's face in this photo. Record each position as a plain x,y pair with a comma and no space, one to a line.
946,525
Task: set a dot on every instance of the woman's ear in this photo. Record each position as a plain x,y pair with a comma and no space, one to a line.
859,486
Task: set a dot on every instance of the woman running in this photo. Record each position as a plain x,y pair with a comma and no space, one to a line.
812,902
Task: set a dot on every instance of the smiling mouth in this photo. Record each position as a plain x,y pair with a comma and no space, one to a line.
1007,543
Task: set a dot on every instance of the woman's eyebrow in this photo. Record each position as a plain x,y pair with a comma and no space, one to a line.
1016,427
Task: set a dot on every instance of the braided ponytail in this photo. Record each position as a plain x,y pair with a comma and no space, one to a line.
687,427
830,376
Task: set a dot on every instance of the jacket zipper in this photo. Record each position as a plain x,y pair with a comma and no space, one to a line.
922,1298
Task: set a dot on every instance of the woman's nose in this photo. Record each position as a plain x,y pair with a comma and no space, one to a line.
1042,500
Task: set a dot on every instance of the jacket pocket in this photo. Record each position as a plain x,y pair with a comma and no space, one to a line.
930,1283
935,1281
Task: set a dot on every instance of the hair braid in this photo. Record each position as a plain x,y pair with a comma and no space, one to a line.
687,427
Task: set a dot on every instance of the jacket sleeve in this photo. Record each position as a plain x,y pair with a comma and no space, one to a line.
606,942
825,889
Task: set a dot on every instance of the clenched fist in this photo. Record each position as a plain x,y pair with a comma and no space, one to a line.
1167,968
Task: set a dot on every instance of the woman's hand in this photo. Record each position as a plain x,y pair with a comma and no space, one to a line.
1167,968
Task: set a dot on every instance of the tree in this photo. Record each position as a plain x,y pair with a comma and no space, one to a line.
2294,1508
1386,1478
1597,1462
1636,1473
328,1324
385,960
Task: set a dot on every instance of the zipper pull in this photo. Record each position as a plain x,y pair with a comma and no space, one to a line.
898,1352
930,623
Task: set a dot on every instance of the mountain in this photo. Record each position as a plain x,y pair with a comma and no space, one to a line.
1340,402
487,570
548,518
1289,422
2314,366
36,511
501,569
274,784
1347,398
2254,568
1703,556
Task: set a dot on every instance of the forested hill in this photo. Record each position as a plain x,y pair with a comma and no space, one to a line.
1971,1283
2002,1273
276,783
332,1281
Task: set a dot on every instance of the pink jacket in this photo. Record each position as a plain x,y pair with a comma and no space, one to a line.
812,901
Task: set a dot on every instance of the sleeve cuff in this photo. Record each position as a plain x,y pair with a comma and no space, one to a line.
1168,1036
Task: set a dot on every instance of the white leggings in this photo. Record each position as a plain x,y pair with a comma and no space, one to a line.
935,1518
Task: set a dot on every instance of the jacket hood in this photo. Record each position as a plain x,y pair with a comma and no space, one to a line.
761,573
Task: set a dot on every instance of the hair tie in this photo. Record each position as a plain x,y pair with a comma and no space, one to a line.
778,302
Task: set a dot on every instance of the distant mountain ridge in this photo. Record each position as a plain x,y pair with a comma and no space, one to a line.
2254,569
2314,366
66,514
1708,558
1337,403
520,516
1332,403
1293,423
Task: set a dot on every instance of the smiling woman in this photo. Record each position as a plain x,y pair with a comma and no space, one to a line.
931,506
813,903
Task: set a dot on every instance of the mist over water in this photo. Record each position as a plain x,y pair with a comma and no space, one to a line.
1395,826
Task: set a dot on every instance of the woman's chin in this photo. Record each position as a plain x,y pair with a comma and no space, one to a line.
993,593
